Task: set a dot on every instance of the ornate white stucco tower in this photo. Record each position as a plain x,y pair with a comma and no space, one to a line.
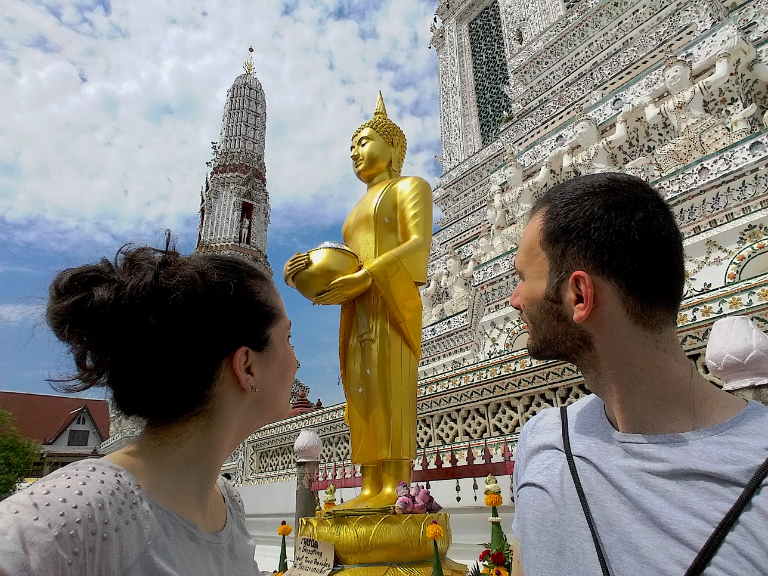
234,203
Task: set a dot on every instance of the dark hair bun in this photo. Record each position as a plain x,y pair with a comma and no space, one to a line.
155,326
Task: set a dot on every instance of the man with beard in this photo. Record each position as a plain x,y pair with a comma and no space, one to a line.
660,453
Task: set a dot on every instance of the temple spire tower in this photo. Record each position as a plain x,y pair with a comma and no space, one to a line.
234,206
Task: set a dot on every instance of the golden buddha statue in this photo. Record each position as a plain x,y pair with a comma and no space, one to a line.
390,231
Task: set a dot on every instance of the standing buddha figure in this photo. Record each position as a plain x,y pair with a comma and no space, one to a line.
390,231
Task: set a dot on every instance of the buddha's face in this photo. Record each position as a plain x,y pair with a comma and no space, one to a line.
677,77
371,155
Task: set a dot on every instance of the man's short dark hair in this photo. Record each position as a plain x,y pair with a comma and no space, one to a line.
619,228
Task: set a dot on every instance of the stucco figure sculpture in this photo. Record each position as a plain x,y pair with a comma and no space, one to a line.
593,157
697,132
456,282
519,195
244,224
390,231
430,312
496,211
484,249
757,67
497,214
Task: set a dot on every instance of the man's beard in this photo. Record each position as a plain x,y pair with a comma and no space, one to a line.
552,335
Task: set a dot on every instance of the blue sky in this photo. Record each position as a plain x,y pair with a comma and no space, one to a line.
107,112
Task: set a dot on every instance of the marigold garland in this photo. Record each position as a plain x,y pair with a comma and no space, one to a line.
328,505
493,500
434,531
284,529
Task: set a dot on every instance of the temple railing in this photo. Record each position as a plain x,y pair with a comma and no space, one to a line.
347,475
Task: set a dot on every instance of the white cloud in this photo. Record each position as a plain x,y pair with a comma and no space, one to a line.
107,118
14,314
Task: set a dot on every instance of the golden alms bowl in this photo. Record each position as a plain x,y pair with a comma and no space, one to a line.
327,262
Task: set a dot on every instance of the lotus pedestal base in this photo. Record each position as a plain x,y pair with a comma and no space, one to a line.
383,544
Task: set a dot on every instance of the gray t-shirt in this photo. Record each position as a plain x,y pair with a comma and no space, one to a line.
655,499
92,518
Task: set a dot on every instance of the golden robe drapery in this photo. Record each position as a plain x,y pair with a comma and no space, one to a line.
390,230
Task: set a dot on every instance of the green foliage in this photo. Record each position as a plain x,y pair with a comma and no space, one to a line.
437,568
475,570
282,564
507,551
16,454
498,538
498,543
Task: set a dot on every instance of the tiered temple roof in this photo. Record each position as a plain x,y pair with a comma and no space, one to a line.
234,208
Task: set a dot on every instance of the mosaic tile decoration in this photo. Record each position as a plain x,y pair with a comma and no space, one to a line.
489,63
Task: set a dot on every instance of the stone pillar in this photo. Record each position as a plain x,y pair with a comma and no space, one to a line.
737,354
307,448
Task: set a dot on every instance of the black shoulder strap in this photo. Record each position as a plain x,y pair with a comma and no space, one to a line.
580,491
713,544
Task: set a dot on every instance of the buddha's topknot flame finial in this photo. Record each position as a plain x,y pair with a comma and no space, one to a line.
391,132
380,110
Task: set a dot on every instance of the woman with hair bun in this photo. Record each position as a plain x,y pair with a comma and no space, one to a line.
198,347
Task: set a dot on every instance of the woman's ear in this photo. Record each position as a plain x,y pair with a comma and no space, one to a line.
244,362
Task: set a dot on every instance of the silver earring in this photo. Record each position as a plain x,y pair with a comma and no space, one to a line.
254,388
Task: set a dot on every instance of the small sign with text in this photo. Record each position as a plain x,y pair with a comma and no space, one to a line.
313,558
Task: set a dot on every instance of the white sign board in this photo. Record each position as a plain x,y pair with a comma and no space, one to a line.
313,558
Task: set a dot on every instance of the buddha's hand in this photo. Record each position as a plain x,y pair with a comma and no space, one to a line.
345,289
296,263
